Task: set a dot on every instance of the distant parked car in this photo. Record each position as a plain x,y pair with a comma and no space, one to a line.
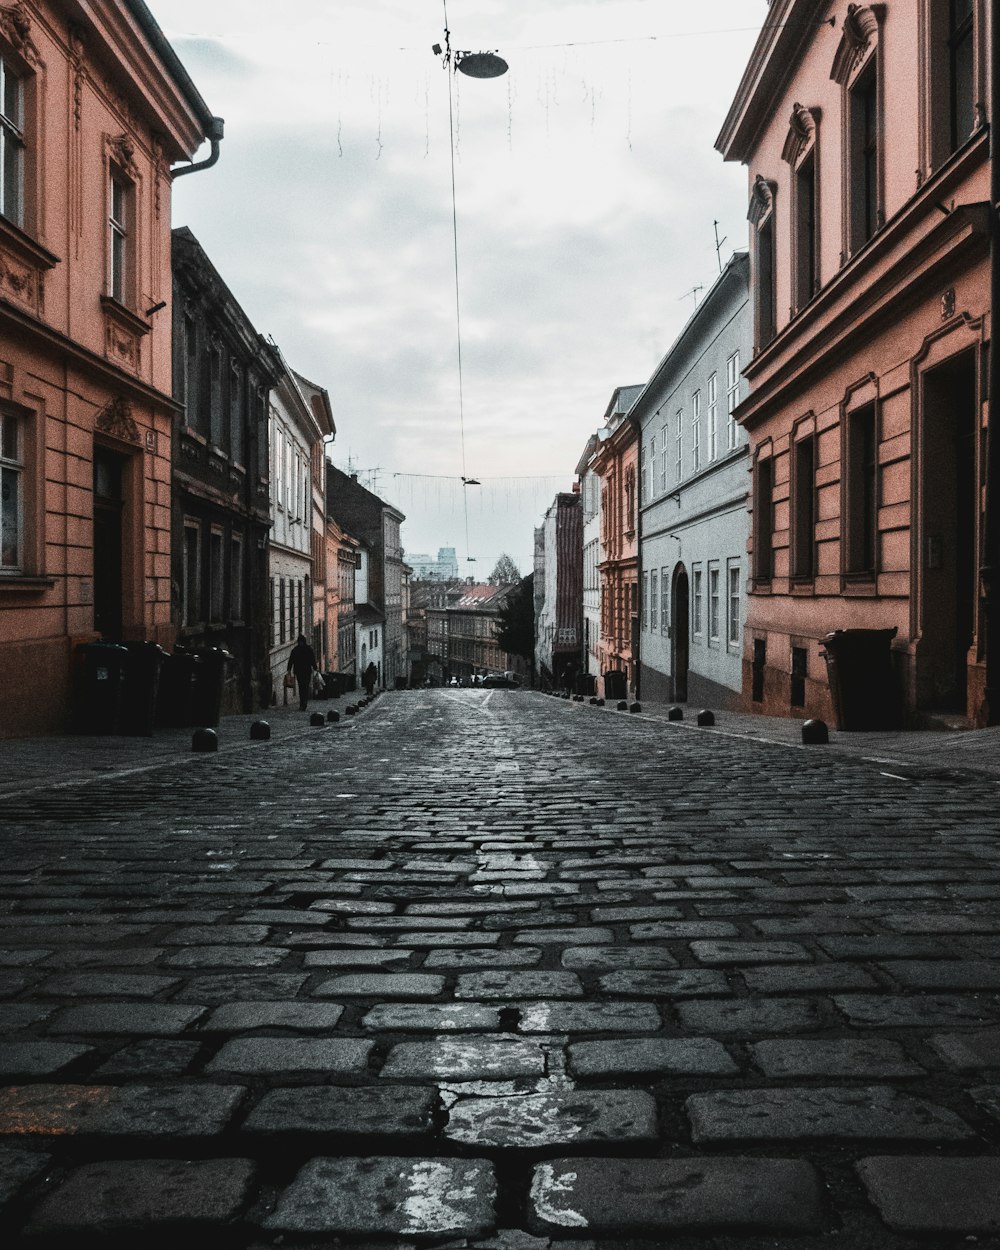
454,682
497,681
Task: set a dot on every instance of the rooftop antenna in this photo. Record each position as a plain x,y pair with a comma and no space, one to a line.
719,242
694,291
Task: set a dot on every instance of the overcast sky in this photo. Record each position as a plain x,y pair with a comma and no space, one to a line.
586,188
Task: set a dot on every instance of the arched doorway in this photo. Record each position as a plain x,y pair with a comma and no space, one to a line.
679,627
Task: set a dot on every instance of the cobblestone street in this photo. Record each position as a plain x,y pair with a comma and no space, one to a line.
488,969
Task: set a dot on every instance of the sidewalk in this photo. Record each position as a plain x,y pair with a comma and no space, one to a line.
31,763
926,751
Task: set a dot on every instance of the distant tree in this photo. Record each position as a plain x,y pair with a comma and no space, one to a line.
505,572
515,629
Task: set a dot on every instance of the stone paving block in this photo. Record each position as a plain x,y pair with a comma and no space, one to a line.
794,926
518,985
807,978
668,930
923,1011
382,923
753,1017
228,957
12,983
128,1111
390,1017
358,1111
927,1196
723,952
657,1197
684,982
142,1196
283,918
466,908
15,1017
524,919
885,946
403,1196
554,937
106,985
147,1019
227,987
154,1057
115,957
253,1055
842,1057
988,1098
22,958
242,1017
18,1168
217,934
521,957
382,985
876,1112
630,915
543,1120
37,1058
611,958
465,1059
357,958
434,939
939,922
944,974
691,1056
555,1017
969,1049
353,907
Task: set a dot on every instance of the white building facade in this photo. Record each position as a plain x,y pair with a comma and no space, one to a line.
693,503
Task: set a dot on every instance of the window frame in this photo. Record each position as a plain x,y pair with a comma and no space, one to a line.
803,507
696,431
734,619
120,236
763,519
664,601
732,400
713,415
860,498
763,217
191,572
654,604
697,597
679,446
12,140
13,465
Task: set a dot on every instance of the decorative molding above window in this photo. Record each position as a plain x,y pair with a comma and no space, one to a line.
15,27
761,199
122,151
861,32
23,263
115,420
802,126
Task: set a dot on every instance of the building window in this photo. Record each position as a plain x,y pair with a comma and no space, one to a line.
863,150
119,249
652,465
281,609
860,491
696,431
763,520
733,626
732,399
800,659
663,457
961,91
761,217
713,416
713,603
215,395
804,508
644,605
191,588
697,595
654,600
11,493
664,603
236,412
630,501
216,576
679,446
806,274
11,144
643,469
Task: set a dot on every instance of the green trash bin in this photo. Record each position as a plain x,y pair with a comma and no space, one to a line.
98,681
175,695
209,686
142,681
864,689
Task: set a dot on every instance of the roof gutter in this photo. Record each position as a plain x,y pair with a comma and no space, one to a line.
211,125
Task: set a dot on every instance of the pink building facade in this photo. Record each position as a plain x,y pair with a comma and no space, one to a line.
95,109
862,127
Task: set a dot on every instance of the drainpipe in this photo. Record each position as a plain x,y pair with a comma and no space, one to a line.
214,136
990,570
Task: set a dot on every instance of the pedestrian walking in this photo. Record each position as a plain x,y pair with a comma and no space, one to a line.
302,662
369,678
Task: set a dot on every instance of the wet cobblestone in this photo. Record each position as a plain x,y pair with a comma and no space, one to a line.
538,977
